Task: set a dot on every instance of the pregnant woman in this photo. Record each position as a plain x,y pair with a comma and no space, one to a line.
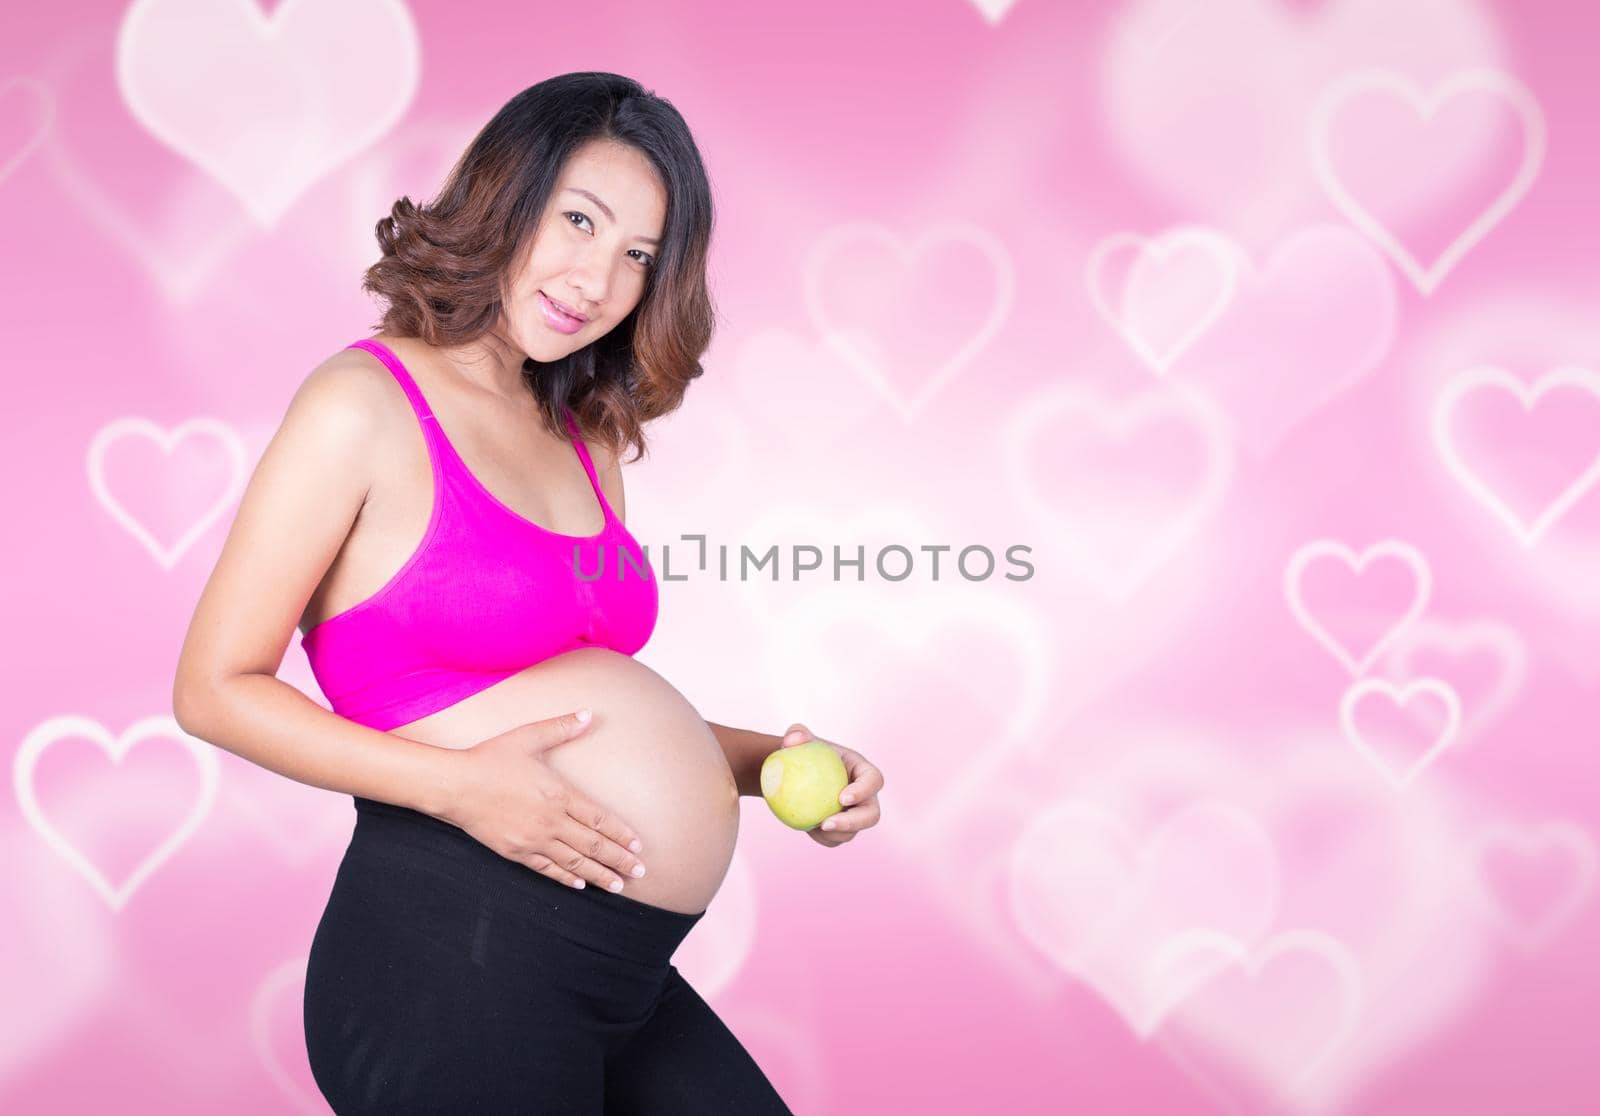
540,818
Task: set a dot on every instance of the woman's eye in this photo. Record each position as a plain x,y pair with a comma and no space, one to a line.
648,260
585,217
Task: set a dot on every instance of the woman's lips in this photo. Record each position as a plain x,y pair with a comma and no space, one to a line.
558,320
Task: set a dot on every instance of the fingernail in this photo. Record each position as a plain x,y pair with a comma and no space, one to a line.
616,885
828,824
583,716
638,870
634,846
847,798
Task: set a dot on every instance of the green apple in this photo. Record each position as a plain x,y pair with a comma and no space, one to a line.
801,783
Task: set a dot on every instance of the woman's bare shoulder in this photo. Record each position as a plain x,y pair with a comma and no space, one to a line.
350,384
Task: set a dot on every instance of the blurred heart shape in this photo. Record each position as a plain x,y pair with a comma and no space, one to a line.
1566,436
108,439
267,104
1395,754
52,732
1414,161
1319,552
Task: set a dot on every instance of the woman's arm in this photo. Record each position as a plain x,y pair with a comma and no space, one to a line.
265,720
296,512
745,751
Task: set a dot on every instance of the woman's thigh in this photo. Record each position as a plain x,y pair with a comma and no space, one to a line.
685,1061
403,1013
433,987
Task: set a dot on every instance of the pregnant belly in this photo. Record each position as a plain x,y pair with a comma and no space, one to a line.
647,755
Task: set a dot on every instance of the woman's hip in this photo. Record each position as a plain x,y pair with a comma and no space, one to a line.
438,962
409,857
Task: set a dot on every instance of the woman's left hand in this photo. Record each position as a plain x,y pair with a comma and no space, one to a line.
860,795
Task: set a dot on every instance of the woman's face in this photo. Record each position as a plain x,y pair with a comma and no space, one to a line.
584,258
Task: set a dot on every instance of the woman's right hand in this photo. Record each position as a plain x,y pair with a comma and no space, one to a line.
509,799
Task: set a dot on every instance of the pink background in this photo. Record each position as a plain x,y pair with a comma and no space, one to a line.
1272,327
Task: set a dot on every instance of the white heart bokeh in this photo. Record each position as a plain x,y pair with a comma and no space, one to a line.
940,780
52,731
117,430
1438,648
1527,530
267,104
1532,912
1119,544
1321,550
1324,113
1302,328
1399,775
1206,102
1111,899
1373,874
1160,308
859,334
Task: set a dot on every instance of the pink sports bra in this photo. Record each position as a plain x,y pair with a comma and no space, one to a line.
486,594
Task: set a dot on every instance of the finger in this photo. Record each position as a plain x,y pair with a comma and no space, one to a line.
576,861
613,861
867,782
543,865
849,821
551,731
797,734
598,817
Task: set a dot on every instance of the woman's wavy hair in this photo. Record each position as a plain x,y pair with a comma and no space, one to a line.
445,264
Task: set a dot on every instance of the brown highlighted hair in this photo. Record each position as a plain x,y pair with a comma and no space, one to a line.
445,264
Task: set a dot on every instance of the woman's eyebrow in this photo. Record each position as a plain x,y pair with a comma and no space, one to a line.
606,209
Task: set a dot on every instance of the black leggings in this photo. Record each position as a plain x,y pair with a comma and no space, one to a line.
445,978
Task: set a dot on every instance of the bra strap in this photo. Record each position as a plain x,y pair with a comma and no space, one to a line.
392,362
588,464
